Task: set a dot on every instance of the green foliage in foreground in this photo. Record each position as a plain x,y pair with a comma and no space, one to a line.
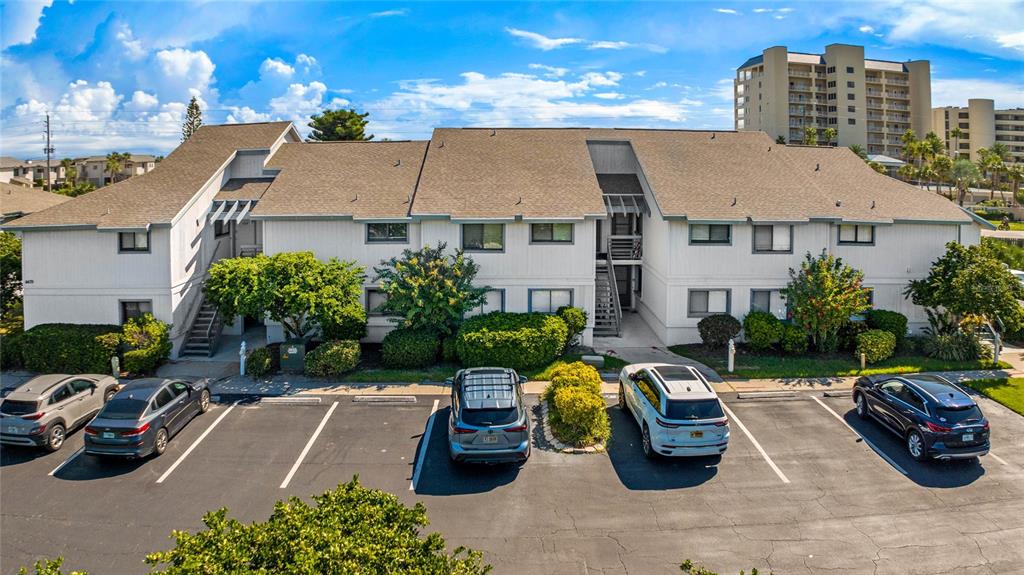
1009,392
689,568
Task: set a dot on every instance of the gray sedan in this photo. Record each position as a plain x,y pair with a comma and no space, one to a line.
43,411
142,417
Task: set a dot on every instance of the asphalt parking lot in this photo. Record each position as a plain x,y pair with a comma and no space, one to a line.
805,487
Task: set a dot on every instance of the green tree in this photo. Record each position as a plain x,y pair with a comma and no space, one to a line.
822,295
907,172
964,175
1015,175
1010,254
859,150
942,165
114,165
294,288
956,134
780,140
77,189
810,135
335,125
429,289
193,119
830,135
350,529
970,280
690,568
49,567
991,161
10,271
878,167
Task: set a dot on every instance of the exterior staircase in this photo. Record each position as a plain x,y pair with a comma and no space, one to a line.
203,337
607,312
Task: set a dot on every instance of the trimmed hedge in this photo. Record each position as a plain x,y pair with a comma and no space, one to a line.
261,362
517,340
151,341
876,345
575,320
350,324
890,321
70,348
848,334
11,351
449,354
575,374
716,330
762,330
405,348
579,416
333,358
793,340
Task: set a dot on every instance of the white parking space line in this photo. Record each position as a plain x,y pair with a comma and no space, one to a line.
196,443
757,445
994,456
309,445
423,448
68,460
864,439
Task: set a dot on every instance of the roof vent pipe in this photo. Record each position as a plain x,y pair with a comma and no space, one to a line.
839,203
872,204
712,135
520,200
734,200
356,199
494,132
817,167
398,162
441,144
769,148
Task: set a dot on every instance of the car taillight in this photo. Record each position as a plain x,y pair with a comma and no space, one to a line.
135,432
457,429
665,423
37,430
91,431
722,423
937,428
516,428
34,416
985,427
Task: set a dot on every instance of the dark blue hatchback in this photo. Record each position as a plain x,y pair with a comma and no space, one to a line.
935,417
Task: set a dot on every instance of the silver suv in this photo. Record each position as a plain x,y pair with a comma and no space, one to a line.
489,422
43,411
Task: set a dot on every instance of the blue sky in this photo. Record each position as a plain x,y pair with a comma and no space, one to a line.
117,75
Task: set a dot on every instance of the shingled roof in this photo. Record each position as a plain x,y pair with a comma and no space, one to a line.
156,197
361,180
19,200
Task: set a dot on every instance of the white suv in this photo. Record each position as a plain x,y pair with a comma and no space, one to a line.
678,412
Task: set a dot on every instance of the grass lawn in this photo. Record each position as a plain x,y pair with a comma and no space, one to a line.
1014,226
1009,392
610,363
768,366
438,373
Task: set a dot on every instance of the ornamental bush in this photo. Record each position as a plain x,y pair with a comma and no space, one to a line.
576,320
333,358
716,330
348,323
956,346
847,339
449,354
579,416
149,343
876,345
762,330
70,348
406,347
575,374
11,351
261,361
793,340
517,340
890,321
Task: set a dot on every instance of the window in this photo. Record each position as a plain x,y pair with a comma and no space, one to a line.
851,121
178,388
133,241
374,299
220,229
773,239
495,302
163,397
849,84
831,96
708,301
871,298
710,234
646,387
830,70
549,300
80,385
832,108
833,121
851,109
849,69
135,309
62,393
551,233
856,234
768,300
483,237
387,233
851,97
831,83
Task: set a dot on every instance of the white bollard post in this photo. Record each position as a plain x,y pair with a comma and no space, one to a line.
863,362
732,354
241,359
115,366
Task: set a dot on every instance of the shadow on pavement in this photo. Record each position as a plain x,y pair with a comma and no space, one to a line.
440,476
933,473
11,455
638,473
89,467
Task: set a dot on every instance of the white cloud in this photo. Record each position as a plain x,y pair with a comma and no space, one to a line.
609,95
867,29
141,102
132,47
996,29
1011,40
276,67
640,73
609,45
955,92
245,114
724,90
387,13
727,11
183,71
32,108
88,103
761,10
302,100
605,79
20,21
550,71
540,41
308,63
660,84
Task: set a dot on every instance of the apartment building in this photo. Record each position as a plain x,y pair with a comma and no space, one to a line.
672,225
981,126
869,102
93,169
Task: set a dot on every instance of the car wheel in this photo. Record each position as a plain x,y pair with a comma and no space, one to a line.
622,397
646,443
862,406
915,445
160,443
204,401
109,395
55,439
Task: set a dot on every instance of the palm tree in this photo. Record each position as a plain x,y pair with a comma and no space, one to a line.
70,173
113,165
878,168
956,134
990,162
810,135
909,141
964,175
931,146
927,174
906,172
780,140
1015,174
943,167
830,135
859,150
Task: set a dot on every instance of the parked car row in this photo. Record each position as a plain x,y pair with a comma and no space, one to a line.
135,420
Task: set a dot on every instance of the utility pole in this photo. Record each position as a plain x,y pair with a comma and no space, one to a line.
49,150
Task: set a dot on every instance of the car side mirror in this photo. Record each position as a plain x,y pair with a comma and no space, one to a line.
634,376
522,379
449,381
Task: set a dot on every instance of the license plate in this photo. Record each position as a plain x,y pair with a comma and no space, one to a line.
108,435
968,437
696,434
490,439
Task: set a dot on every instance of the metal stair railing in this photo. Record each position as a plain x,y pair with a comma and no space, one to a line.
614,288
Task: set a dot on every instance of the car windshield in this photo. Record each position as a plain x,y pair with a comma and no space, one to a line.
699,409
967,414
124,408
486,417
9,407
